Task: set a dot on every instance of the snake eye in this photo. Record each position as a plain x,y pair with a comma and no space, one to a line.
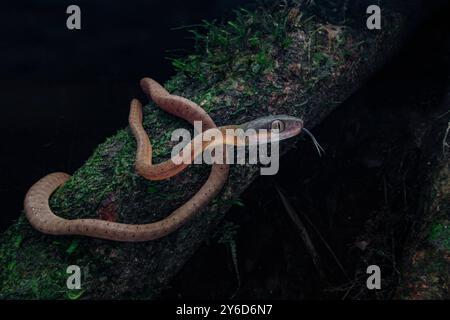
278,124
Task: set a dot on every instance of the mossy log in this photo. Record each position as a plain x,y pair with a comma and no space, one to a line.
427,261
269,61
427,267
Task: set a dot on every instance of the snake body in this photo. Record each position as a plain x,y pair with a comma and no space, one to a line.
41,217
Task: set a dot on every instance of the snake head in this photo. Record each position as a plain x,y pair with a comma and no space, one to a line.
287,126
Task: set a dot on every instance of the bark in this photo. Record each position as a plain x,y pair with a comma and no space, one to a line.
269,61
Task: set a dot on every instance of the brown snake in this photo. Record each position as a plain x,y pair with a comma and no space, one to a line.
42,218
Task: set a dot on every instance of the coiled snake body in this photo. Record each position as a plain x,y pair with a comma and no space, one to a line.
36,201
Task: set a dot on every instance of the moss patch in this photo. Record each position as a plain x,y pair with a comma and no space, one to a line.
440,235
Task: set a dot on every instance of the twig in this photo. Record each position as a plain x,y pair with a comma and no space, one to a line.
319,234
445,145
303,233
325,244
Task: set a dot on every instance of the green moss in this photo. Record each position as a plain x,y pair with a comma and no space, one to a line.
440,235
263,61
249,35
43,277
208,99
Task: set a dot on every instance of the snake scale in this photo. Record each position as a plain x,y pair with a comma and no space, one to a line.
41,217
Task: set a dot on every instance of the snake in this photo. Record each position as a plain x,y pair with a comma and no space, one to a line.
41,217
